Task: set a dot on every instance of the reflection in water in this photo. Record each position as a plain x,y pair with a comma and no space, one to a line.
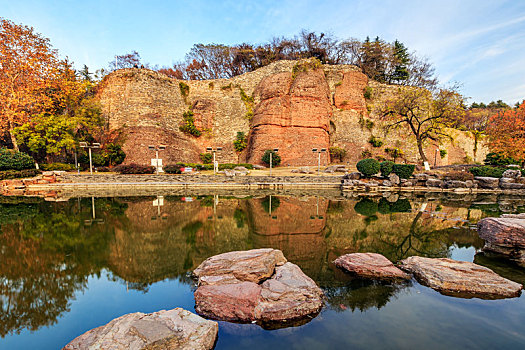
48,250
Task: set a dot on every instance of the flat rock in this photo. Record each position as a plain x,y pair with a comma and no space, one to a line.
172,329
489,183
370,265
505,235
460,278
255,285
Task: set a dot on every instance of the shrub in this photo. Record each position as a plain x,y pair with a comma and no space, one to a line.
240,142
222,166
394,153
366,123
400,206
367,92
366,207
103,169
188,125
172,169
404,171
386,168
276,159
57,166
459,176
12,160
496,159
97,159
487,171
18,174
366,154
375,141
206,158
113,154
368,167
442,153
184,89
337,153
134,169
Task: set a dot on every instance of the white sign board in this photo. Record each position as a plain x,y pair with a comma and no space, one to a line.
159,201
427,167
157,163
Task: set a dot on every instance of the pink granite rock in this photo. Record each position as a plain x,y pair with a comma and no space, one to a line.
370,265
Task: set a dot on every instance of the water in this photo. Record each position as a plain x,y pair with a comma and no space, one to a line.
68,267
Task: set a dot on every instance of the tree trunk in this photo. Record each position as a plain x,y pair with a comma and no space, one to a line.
421,152
13,139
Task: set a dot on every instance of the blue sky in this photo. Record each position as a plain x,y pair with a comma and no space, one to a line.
479,43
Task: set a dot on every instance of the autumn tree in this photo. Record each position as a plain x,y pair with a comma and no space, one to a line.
424,114
506,131
28,65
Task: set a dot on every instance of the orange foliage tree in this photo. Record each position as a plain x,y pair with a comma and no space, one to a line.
506,131
28,65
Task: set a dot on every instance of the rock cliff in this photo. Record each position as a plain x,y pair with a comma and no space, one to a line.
290,105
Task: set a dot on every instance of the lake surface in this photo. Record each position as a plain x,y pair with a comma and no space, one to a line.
67,267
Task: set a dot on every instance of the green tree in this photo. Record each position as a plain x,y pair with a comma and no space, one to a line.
401,61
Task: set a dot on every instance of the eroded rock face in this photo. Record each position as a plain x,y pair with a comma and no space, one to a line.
504,235
460,278
349,93
293,115
255,285
172,329
370,265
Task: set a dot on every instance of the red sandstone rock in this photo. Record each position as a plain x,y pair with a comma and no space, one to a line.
293,115
460,278
173,329
350,93
505,236
228,288
370,265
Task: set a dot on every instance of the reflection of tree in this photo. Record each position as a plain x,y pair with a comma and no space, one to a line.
361,294
275,202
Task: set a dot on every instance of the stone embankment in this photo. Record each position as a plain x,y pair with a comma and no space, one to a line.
511,183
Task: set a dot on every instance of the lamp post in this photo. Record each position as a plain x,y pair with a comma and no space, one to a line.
271,161
89,147
157,149
319,151
215,164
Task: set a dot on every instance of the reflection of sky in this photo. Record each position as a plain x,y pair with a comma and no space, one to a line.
462,254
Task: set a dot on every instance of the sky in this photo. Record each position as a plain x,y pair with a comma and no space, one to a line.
479,44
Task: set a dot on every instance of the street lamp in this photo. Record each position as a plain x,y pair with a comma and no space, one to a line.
215,164
319,151
157,149
89,147
271,160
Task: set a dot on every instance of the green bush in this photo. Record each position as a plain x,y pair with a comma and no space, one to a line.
134,169
394,153
188,124
222,166
375,141
19,174
442,153
399,206
98,159
172,169
113,154
57,166
240,142
496,159
206,158
368,167
404,171
366,207
487,171
12,160
386,168
337,153
367,92
276,159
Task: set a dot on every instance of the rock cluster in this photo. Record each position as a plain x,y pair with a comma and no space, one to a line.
460,278
370,265
255,285
172,329
505,235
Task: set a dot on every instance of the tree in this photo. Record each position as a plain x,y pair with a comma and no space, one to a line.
401,62
506,131
128,60
427,115
28,65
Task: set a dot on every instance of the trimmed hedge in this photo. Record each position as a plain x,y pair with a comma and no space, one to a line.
487,171
368,167
57,166
18,174
12,160
172,169
404,171
134,169
222,166
386,168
